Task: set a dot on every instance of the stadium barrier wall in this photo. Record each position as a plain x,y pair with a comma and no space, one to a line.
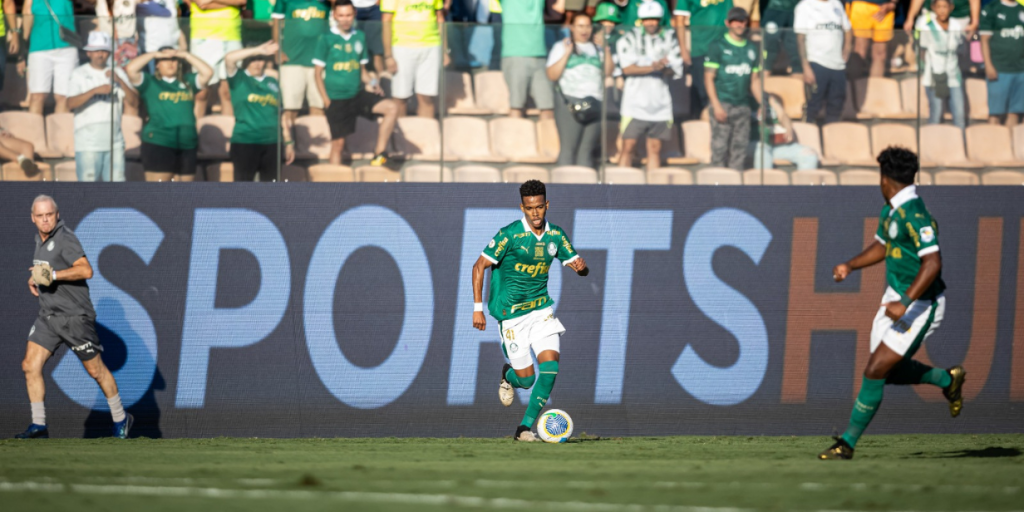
345,310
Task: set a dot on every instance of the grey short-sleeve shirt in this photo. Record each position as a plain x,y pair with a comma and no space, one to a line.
65,298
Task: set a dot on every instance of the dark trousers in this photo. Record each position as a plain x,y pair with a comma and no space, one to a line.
250,159
777,27
698,93
578,141
830,91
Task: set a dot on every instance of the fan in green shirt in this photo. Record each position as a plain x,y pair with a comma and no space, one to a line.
707,23
304,22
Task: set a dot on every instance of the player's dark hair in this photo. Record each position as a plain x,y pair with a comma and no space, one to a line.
533,188
899,164
342,3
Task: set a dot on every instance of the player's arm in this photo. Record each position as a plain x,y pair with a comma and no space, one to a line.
482,264
931,264
80,270
570,258
872,255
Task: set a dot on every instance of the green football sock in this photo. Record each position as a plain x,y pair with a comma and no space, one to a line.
868,401
541,392
517,381
910,372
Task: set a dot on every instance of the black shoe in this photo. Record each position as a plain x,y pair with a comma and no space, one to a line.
953,391
524,434
34,432
839,451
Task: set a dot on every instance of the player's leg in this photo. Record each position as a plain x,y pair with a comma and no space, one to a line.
388,110
654,150
547,362
35,357
518,372
81,336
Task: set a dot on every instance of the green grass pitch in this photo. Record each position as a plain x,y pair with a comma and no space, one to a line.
687,474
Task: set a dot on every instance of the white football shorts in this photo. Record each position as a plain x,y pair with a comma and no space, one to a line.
538,330
905,335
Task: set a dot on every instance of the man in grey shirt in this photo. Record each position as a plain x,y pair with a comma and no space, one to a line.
66,316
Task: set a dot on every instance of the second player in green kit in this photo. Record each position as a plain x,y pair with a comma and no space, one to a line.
520,257
913,304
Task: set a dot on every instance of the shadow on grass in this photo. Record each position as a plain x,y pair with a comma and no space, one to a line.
985,453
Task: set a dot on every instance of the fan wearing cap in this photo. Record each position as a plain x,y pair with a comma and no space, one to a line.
731,77
607,15
649,57
96,96
630,10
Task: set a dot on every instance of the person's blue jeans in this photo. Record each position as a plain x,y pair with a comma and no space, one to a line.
801,156
95,165
956,106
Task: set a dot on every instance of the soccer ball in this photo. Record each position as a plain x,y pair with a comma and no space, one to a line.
555,426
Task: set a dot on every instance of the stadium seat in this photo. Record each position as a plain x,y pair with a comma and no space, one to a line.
884,135
809,135
791,91
976,94
215,136
60,134
12,172
991,145
458,93
223,172
331,173
813,177
65,171
522,173
956,178
944,144
28,127
924,178
133,171
719,176
312,138
477,174
159,177
418,138
910,93
879,98
671,150
849,112
859,177
294,173
492,92
669,176
368,174
765,177
572,174
516,139
468,139
1018,141
362,143
131,128
1003,177
426,173
547,139
623,176
697,140
848,144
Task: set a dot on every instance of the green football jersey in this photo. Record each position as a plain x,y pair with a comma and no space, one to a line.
1005,23
171,107
342,57
908,232
707,22
304,22
255,101
519,279
735,61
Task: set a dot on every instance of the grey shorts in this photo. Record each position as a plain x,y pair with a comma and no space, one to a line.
635,129
77,332
527,77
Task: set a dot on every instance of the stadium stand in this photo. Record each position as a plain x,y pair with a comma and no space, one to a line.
312,138
426,173
879,98
813,177
491,92
331,173
516,140
477,174
13,172
911,92
1018,141
459,98
1002,177
368,174
65,171
859,177
884,135
697,141
294,173
718,176
809,135
574,175
131,128
547,139
956,178
669,176
792,92
360,144
60,134
418,138
468,139
765,177
991,145
215,136
944,144
28,127
976,94
848,144
622,176
521,173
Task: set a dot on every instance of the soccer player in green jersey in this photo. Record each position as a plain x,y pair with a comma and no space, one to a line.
520,257
913,305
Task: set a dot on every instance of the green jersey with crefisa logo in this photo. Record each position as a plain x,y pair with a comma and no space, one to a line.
522,261
908,232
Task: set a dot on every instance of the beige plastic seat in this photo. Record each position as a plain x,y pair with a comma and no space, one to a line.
884,135
976,94
669,176
547,139
1018,140
418,138
523,173
925,178
458,93
624,176
363,141
426,173
28,127
910,93
60,134
848,144
809,135
1003,177
294,174
792,92
879,98
813,177
956,178
468,139
944,145
672,149
860,177
330,173
765,177
222,172
697,140
215,137
991,145
572,174
368,174
492,92
719,176
131,128
477,174
312,138
12,172
516,140
65,171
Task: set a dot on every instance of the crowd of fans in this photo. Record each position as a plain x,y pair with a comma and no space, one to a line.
333,58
